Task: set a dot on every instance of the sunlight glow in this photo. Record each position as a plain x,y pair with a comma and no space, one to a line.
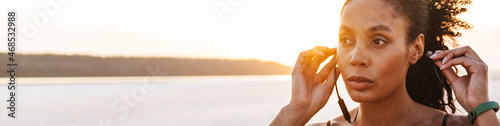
275,30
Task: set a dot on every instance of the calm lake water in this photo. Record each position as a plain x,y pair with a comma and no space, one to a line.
187,101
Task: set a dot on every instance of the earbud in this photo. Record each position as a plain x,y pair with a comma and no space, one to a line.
429,54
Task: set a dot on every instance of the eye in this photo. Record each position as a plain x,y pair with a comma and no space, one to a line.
379,42
345,40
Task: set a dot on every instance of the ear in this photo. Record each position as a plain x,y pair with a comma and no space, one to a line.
417,49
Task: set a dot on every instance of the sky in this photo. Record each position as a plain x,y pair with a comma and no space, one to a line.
267,30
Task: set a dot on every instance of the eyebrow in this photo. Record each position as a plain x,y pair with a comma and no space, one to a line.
344,28
380,28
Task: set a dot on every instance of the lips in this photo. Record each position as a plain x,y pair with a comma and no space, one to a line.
359,82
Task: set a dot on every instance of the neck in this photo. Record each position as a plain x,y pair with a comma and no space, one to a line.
393,109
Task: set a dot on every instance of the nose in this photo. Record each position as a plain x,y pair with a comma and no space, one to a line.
359,57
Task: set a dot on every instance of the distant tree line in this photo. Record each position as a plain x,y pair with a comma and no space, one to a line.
86,66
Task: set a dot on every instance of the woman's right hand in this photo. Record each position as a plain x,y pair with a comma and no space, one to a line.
310,90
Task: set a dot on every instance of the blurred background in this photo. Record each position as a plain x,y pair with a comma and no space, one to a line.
189,62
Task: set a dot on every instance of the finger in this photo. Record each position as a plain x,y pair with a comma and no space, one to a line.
464,61
448,73
333,50
298,77
462,51
303,56
332,78
303,64
323,49
328,52
325,71
436,55
319,58
471,65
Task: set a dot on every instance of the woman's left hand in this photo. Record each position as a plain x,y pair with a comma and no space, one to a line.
471,90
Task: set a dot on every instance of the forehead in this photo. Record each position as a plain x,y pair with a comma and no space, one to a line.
364,14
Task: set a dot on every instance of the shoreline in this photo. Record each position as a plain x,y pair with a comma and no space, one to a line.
134,79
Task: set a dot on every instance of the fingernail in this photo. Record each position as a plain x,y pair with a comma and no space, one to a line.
433,55
445,59
321,53
441,67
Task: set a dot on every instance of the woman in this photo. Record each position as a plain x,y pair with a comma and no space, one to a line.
381,56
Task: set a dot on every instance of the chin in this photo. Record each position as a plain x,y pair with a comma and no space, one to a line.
363,96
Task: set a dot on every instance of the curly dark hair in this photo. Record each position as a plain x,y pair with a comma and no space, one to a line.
437,21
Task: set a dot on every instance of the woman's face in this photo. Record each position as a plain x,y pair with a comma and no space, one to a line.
372,52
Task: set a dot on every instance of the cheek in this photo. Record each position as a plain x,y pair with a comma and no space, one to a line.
392,67
391,70
342,59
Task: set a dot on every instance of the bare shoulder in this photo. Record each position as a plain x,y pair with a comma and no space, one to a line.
340,121
458,120
337,121
334,122
322,123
